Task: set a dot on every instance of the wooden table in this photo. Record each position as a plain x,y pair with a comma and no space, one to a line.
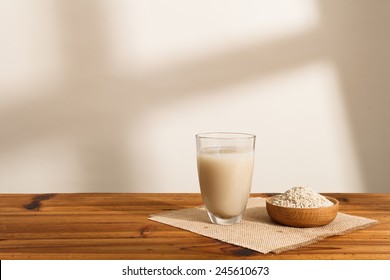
115,226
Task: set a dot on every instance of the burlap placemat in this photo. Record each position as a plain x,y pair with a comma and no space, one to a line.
257,231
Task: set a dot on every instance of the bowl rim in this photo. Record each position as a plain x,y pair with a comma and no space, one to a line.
332,199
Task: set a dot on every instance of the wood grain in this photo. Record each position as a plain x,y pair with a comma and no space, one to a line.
116,226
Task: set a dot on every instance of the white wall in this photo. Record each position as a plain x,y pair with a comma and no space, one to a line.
106,96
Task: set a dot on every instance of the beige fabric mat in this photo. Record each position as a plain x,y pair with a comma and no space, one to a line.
257,231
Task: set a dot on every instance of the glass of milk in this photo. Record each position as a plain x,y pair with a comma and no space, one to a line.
225,168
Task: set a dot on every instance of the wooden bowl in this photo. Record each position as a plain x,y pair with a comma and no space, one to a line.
303,217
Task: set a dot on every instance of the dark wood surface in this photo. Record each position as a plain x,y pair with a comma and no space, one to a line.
116,226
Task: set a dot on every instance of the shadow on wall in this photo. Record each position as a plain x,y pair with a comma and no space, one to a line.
93,109
359,47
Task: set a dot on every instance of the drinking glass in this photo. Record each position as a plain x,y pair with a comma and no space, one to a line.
225,167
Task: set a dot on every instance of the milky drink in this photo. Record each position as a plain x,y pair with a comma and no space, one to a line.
225,177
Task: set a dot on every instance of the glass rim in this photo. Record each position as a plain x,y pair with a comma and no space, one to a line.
225,135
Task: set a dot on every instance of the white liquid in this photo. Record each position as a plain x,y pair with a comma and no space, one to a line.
225,177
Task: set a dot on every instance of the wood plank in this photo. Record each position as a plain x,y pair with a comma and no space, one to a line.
116,226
